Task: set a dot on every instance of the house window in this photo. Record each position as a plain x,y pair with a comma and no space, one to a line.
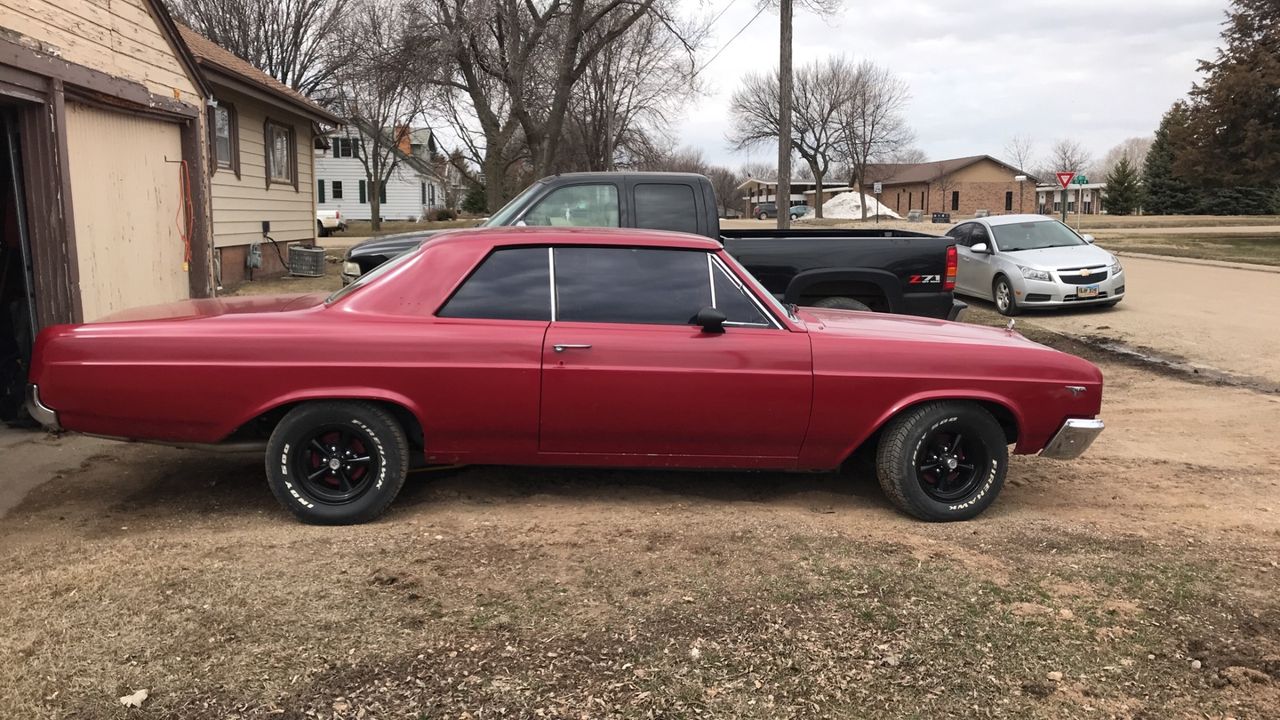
1008,201
432,198
226,145
282,154
346,147
955,200
337,189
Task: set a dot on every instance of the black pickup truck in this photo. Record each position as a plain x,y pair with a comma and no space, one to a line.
882,270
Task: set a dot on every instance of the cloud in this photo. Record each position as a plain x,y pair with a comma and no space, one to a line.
1098,71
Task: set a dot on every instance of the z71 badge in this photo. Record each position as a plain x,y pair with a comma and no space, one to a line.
925,279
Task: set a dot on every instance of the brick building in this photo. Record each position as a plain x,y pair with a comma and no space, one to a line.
960,186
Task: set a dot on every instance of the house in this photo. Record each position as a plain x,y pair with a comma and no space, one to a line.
102,117
1087,199
755,191
261,164
415,187
960,186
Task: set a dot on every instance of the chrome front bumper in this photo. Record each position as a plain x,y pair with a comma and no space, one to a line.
1072,439
44,415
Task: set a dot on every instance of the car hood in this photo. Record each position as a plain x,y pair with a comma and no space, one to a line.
880,326
212,307
390,246
1053,258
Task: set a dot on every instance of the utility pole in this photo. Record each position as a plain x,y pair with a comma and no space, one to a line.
783,195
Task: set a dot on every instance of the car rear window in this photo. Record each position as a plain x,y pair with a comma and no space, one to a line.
510,284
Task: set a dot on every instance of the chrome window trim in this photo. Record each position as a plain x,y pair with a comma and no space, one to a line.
551,278
773,321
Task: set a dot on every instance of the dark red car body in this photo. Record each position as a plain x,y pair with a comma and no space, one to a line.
802,396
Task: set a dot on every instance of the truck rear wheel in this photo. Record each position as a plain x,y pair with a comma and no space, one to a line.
942,461
841,303
337,462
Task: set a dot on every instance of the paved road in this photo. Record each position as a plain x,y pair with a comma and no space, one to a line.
1215,317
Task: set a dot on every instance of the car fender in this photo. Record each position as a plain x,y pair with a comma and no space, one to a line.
960,394
883,279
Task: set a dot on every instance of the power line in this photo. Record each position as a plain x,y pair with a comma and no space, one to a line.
720,14
763,6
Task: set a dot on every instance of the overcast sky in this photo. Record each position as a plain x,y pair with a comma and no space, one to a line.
1098,71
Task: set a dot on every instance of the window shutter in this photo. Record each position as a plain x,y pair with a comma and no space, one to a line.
364,197
320,191
336,142
382,193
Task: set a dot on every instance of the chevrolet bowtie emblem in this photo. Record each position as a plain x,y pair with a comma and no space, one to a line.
1085,272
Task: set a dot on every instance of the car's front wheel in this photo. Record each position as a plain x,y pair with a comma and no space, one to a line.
942,461
1006,301
762,216
337,462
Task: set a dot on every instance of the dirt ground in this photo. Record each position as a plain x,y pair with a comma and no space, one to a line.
1138,582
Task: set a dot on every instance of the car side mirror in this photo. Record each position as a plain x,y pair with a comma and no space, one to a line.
710,320
1088,238
980,248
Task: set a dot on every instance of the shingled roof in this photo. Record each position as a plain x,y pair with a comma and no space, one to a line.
910,173
217,60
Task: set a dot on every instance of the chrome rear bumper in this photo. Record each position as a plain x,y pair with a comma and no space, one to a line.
44,415
1072,439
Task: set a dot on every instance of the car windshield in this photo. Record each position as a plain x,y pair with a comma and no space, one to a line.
503,217
369,277
1035,235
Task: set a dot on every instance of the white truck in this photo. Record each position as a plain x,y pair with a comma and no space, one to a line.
328,222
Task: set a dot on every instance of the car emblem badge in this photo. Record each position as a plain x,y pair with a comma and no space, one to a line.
1085,272
1076,390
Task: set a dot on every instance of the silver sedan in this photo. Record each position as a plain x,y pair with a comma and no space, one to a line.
1031,261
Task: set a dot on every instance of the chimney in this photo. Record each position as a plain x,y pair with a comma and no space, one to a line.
402,139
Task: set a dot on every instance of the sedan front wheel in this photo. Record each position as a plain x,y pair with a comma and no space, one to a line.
942,461
337,462
1006,301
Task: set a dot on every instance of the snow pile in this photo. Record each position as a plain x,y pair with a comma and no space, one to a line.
848,205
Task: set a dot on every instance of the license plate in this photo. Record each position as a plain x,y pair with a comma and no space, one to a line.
1087,291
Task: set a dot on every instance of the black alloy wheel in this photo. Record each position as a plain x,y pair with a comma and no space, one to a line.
948,467
334,465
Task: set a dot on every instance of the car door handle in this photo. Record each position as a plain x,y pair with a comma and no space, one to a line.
561,347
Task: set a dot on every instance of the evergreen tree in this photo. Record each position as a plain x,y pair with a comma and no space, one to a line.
476,201
1235,112
1124,194
1167,193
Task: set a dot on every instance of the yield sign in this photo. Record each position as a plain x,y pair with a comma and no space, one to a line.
1065,178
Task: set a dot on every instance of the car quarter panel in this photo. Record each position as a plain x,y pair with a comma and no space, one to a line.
867,371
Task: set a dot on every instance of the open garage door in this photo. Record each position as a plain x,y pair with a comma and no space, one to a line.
17,300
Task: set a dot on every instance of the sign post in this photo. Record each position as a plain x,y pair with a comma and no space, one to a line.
876,189
1064,179
1080,181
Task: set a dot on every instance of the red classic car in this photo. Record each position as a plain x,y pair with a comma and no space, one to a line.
549,346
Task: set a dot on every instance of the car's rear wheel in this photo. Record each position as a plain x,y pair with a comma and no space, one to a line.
841,303
762,216
1006,302
337,462
321,230
942,461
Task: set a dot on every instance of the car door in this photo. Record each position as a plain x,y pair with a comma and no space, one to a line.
965,266
982,267
627,377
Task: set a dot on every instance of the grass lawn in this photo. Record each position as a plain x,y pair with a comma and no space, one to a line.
360,228
1261,249
1102,222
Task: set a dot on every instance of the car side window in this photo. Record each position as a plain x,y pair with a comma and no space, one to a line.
979,235
961,234
576,206
732,299
665,206
510,284
630,285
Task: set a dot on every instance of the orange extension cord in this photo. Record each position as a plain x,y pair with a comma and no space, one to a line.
185,207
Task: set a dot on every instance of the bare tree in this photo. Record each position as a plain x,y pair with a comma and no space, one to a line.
301,43
1020,151
759,171
1068,155
944,181
872,126
1134,149
908,156
379,91
821,90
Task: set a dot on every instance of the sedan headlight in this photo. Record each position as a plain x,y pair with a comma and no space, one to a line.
350,268
1116,269
1033,274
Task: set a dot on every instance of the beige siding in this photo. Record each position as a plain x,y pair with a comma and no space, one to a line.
241,204
118,37
126,199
